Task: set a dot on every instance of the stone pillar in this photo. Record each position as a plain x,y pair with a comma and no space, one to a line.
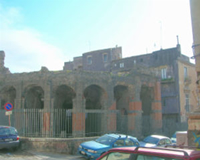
194,129
47,128
48,95
112,117
78,116
135,112
18,102
104,115
157,109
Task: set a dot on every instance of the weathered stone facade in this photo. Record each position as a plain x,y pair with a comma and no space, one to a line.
136,93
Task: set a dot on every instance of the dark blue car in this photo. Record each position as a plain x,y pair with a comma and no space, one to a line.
94,149
9,137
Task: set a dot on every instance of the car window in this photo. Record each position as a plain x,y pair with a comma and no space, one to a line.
161,142
129,142
106,139
148,157
167,141
119,142
8,131
150,139
117,156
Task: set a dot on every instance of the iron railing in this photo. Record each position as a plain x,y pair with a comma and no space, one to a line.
62,123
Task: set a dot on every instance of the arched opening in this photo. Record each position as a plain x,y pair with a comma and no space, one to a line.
121,96
7,94
33,103
34,98
94,98
146,99
63,105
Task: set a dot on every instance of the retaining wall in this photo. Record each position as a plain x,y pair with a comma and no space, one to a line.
56,145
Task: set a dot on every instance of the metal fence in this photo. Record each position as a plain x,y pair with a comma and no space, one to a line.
61,123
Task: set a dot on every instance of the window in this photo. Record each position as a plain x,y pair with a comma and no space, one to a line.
121,65
167,141
161,142
185,72
149,157
164,73
187,102
105,57
119,142
163,102
128,142
89,60
117,156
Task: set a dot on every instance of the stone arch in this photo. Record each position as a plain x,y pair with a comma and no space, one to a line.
63,106
94,97
7,94
34,97
64,96
33,102
146,97
121,95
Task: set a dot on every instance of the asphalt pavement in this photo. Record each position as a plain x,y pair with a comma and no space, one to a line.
35,155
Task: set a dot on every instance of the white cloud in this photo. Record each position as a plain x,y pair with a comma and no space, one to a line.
24,47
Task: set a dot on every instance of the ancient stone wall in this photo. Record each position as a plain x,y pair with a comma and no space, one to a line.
82,90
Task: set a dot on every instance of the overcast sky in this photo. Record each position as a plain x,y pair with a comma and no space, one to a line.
36,33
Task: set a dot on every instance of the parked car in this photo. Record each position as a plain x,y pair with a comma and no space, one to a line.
9,137
155,140
93,149
148,153
173,138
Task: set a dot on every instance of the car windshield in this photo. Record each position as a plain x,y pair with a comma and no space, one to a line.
150,139
8,131
106,139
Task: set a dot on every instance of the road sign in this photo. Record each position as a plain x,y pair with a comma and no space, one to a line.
8,106
8,113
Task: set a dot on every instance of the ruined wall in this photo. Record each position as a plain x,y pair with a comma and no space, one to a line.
84,91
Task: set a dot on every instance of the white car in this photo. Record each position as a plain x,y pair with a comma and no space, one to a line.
155,141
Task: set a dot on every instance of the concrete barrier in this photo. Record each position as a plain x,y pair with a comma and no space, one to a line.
56,145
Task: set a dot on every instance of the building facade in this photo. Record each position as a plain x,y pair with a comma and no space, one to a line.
194,116
80,103
176,74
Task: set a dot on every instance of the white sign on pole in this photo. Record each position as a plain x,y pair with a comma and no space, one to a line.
8,113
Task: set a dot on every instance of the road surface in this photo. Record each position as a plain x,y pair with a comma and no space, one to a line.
33,155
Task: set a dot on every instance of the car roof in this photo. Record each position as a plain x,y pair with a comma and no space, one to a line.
120,135
158,136
159,151
6,126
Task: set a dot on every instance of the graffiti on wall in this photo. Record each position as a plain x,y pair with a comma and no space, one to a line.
196,140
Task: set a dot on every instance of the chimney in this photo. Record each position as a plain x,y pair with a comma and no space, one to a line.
178,45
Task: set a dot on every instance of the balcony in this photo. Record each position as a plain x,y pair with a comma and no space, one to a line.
167,80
